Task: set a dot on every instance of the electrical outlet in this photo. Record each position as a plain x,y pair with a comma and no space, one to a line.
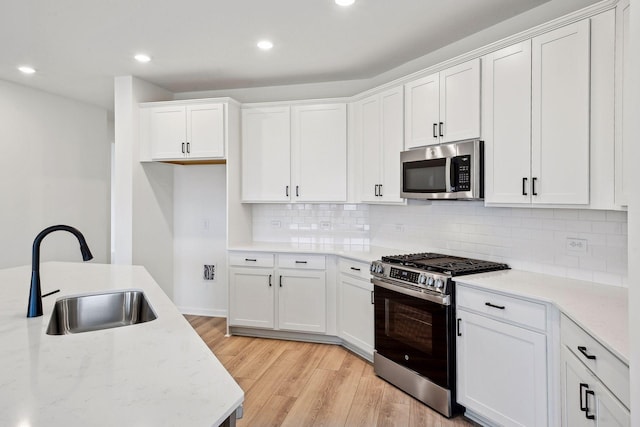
577,246
325,225
399,228
209,272
276,224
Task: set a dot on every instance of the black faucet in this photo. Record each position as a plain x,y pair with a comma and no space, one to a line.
35,294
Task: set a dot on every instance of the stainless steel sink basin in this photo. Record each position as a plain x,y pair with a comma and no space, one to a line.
86,313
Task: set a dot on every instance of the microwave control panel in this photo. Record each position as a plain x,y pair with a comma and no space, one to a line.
461,173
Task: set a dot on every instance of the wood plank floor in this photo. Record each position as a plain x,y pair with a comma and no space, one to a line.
297,384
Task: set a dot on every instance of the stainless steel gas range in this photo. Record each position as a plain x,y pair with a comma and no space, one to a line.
414,297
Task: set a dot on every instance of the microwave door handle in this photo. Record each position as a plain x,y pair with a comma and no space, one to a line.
448,175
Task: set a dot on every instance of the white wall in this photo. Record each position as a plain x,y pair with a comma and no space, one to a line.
526,239
143,192
200,237
54,169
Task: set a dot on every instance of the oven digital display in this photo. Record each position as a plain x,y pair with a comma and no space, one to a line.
404,275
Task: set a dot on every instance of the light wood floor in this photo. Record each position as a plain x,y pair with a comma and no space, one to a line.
297,384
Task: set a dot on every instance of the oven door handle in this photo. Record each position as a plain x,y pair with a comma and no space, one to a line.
438,299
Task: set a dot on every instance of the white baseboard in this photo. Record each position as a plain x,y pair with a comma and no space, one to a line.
196,311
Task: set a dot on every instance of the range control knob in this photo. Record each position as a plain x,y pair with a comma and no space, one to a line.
372,268
439,284
422,279
379,269
430,281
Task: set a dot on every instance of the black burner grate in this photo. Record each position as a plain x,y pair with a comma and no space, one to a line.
456,266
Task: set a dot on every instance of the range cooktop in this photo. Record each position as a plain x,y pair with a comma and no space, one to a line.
444,264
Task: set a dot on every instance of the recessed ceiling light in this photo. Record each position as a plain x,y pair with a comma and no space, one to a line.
344,2
265,44
141,57
27,69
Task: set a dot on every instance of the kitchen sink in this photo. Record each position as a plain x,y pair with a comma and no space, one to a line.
85,313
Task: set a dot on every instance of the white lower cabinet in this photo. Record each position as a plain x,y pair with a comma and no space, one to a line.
302,300
282,292
355,307
594,382
502,373
251,297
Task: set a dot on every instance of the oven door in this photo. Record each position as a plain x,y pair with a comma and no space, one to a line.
414,333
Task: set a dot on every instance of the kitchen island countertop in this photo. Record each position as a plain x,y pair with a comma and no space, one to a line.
158,373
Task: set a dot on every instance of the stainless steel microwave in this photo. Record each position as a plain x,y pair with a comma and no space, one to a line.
452,171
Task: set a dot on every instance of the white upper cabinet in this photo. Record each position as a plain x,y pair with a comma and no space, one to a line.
623,94
380,127
443,107
294,154
560,115
506,124
266,158
536,119
319,153
205,130
181,131
422,109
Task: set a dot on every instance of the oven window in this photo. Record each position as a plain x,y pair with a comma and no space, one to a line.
425,176
409,325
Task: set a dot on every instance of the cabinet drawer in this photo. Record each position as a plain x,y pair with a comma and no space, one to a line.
313,262
251,259
354,268
613,372
510,309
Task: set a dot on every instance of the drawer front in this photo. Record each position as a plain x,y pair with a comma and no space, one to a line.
251,259
354,268
613,372
510,309
304,261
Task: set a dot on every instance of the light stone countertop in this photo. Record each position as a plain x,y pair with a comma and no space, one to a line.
599,309
158,373
364,253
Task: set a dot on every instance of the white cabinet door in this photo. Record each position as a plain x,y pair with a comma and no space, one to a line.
623,104
266,148
356,313
506,124
205,130
302,300
381,129
319,153
167,132
460,102
251,297
502,372
585,400
560,115
422,108
392,133
370,142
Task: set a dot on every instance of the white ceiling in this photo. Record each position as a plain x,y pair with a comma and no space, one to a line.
78,46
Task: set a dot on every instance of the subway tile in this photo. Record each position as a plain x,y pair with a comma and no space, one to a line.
617,241
606,227
592,215
617,216
568,214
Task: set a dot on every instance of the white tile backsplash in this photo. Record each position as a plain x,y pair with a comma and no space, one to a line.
525,238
